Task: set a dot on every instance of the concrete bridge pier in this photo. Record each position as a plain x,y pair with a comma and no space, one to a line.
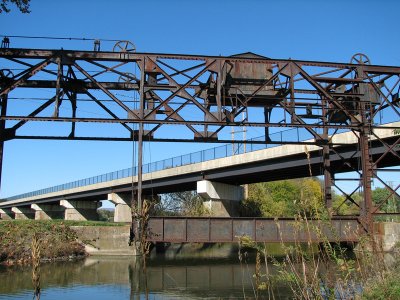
80,210
220,198
23,213
48,211
122,202
6,214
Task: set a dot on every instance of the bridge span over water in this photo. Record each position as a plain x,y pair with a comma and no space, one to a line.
340,108
225,170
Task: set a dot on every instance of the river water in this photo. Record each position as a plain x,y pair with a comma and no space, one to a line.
124,278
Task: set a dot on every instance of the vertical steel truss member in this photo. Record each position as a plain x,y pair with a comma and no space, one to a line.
202,97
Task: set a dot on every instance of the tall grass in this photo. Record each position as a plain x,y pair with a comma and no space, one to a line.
322,270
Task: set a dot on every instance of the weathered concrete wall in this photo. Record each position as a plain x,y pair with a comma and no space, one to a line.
387,235
105,240
222,208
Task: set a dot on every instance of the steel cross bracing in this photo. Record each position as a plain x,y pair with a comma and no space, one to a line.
191,98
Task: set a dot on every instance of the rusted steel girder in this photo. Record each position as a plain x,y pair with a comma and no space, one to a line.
230,230
199,98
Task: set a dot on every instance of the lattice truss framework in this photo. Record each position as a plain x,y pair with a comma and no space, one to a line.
188,98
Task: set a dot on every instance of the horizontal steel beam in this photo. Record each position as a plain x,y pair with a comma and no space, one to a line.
184,122
79,86
136,56
231,230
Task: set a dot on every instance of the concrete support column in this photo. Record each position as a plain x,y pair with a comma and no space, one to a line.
48,211
220,198
79,210
6,214
23,213
122,212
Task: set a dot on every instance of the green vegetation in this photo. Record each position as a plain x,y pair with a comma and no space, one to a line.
282,198
384,289
286,198
390,202
79,223
324,270
186,203
106,215
329,272
55,239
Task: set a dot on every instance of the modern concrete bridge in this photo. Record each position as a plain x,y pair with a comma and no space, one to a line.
217,174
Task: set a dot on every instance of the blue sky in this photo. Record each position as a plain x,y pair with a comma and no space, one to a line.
307,30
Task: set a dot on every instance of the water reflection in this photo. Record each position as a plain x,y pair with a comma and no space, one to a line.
124,278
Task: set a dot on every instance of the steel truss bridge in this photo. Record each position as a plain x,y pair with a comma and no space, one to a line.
194,98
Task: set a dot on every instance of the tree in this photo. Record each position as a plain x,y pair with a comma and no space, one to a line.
23,5
390,202
284,198
106,215
186,203
346,207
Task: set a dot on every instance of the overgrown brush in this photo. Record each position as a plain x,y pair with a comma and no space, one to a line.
57,240
322,269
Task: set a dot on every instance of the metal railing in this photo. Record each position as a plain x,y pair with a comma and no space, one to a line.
178,161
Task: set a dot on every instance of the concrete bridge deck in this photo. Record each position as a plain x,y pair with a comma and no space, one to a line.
280,162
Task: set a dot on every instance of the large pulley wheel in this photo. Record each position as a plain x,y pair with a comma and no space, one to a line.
6,73
360,59
127,78
6,76
124,46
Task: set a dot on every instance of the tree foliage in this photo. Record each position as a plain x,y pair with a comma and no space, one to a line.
285,198
390,202
347,207
186,203
23,5
106,215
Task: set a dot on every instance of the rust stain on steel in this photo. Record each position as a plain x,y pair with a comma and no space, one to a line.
215,230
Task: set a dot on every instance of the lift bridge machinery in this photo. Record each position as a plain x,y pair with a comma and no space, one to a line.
193,98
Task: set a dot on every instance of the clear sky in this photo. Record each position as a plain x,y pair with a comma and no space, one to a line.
307,30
